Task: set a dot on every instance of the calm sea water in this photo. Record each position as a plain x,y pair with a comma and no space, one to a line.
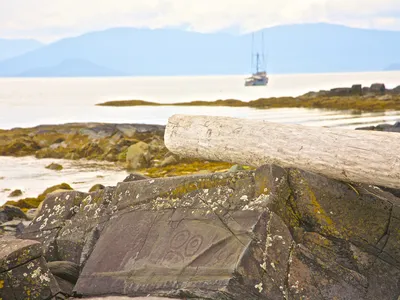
30,102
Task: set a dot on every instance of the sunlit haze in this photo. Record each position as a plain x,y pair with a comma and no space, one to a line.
49,20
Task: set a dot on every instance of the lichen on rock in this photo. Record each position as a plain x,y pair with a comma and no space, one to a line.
269,233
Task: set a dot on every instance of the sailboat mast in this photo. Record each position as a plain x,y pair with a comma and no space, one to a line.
252,50
262,49
258,62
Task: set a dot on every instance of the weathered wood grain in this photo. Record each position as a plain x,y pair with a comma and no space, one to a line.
350,155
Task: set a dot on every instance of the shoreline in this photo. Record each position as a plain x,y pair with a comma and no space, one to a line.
375,98
140,148
136,148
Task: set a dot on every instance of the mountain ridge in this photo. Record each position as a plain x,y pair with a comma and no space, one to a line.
299,48
15,47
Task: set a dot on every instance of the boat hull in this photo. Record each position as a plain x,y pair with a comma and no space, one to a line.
257,82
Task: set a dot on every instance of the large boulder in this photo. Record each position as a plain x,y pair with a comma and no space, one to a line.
272,233
24,273
9,212
383,127
138,156
396,90
377,88
356,89
340,92
55,214
69,224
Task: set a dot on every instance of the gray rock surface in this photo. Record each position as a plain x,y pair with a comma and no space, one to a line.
135,177
66,273
376,89
272,233
24,273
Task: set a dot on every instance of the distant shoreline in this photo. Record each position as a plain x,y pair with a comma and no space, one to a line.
371,99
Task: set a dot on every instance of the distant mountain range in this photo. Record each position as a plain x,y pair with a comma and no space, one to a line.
12,48
305,48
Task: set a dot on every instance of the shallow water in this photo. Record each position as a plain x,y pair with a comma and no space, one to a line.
30,175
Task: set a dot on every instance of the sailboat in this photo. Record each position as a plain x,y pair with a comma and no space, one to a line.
260,77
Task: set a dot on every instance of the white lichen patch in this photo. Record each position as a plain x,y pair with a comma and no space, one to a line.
36,273
264,266
259,287
295,286
44,224
59,209
259,203
74,209
44,278
96,212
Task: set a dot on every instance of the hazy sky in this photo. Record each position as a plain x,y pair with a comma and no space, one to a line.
48,20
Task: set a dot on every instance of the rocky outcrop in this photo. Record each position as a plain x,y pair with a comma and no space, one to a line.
272,233
374,90
15,193
24,273
129,146
135,177
96,141
138,156
9,213
383,127
12,220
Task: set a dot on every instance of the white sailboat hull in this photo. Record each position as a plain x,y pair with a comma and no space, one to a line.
258,79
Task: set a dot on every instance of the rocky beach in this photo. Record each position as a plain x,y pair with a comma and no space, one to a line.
193,229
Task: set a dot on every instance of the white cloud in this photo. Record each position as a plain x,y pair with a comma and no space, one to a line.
51,19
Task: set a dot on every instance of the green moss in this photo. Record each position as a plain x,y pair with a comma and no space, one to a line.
15,193
128,103
28,203
96,187
55,167
186,168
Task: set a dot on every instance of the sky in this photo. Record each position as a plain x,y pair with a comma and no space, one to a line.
50,20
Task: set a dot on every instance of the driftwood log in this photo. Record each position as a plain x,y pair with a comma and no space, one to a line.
348,155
